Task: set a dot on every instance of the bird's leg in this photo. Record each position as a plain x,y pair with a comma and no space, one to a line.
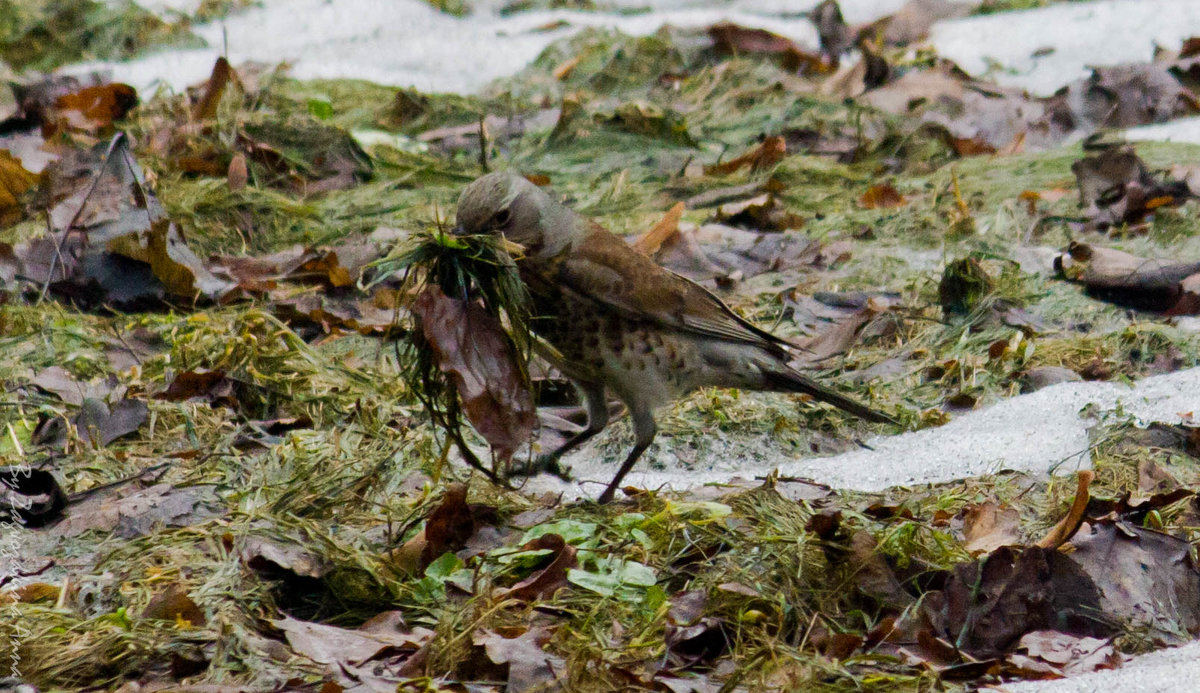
597,419
644,429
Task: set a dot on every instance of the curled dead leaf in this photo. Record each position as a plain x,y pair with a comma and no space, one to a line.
473,349
881,196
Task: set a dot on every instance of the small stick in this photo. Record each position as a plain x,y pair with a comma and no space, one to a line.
1066,527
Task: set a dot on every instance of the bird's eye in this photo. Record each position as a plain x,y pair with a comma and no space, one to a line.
501,218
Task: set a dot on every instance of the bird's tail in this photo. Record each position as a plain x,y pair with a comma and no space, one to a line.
791,381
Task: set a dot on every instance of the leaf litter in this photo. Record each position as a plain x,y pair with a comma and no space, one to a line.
210,288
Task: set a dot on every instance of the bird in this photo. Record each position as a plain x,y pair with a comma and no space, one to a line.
615,320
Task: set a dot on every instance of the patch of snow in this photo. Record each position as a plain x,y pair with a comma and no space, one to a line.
1105,32
1042,432
409,43
1164,671
1182,130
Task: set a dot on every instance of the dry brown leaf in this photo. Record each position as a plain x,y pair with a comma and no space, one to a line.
762,213
93,109
732,39
872,574
1112,275
165,250
1147,579
649,242
172,603
764,156
565,68
447,528
98,423
881,196
472,348
237,175
205,107
375,658
59,381
544,582
1060,654
1066,527
132,512
275,559
15,181
837,339
34,592
988,526
1116,187
530,667
988,604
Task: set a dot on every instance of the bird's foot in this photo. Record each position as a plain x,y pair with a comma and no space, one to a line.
542,463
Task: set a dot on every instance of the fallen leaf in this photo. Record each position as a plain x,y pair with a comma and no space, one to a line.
58,381
163,248
275,559
377,657
988,526
881,196
1152,478
1116,187
530,667
988,604
1146,579
837,339
764,213
214,387
1066,655
872,575
1065,528
136,512
733,39
1127,280
473,349
172,603
447,528
99,424
649,242
93,109
15,181
205,107
543,583
764,156
237,176
692,638
319,313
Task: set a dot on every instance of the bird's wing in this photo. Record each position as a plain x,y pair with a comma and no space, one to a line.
603,268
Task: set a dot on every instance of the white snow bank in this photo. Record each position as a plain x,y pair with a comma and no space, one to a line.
1080,34
1040,433
1164,671
408,43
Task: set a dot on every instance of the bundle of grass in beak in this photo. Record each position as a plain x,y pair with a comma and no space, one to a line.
467,349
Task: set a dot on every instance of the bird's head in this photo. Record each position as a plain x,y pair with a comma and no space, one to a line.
506,204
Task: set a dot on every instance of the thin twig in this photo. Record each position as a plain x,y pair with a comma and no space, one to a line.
112,145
